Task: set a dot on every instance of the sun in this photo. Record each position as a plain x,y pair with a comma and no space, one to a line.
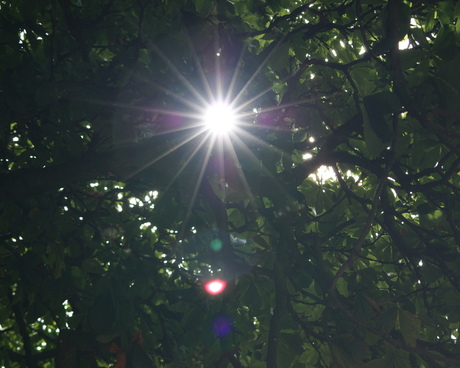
220,118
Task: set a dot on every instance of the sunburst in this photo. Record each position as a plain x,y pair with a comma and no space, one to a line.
222,122
220,118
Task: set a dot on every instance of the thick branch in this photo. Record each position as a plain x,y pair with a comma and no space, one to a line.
220,213
71,342
278,312
281,293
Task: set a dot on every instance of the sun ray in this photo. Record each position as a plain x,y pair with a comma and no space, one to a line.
243,147
220,159
184,100
260,94
241,175
219,147
251,137
217,66
285,105
196,60
191,156
254,75
232,144
197,185
178,74
164,154
148,108
242,116
236,73
189,114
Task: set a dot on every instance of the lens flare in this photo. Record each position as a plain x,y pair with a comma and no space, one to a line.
216,245
219,118
215,287
222,325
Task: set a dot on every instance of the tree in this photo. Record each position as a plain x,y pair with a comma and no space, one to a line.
331,211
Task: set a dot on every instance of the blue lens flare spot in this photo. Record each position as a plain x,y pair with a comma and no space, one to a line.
216,245
222,325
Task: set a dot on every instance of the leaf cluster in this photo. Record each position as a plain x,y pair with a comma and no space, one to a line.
331,212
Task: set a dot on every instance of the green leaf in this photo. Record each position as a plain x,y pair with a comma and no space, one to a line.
380,363
45,94
91,265
431,273
447,81
378,106
106,338
310,356
387,319
409,325
280,57
399,357
102,315
290,346
349,352
100,108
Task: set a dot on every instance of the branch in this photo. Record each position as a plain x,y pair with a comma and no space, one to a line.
71,342
220,213
401,244
275,22
278,312
281,293
367,227
300,172
400,84
308,331
419,349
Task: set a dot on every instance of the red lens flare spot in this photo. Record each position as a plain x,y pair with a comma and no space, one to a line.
215,287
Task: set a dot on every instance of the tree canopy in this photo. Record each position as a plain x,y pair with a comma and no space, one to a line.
330,212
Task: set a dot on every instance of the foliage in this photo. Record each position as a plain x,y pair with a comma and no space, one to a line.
111,195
